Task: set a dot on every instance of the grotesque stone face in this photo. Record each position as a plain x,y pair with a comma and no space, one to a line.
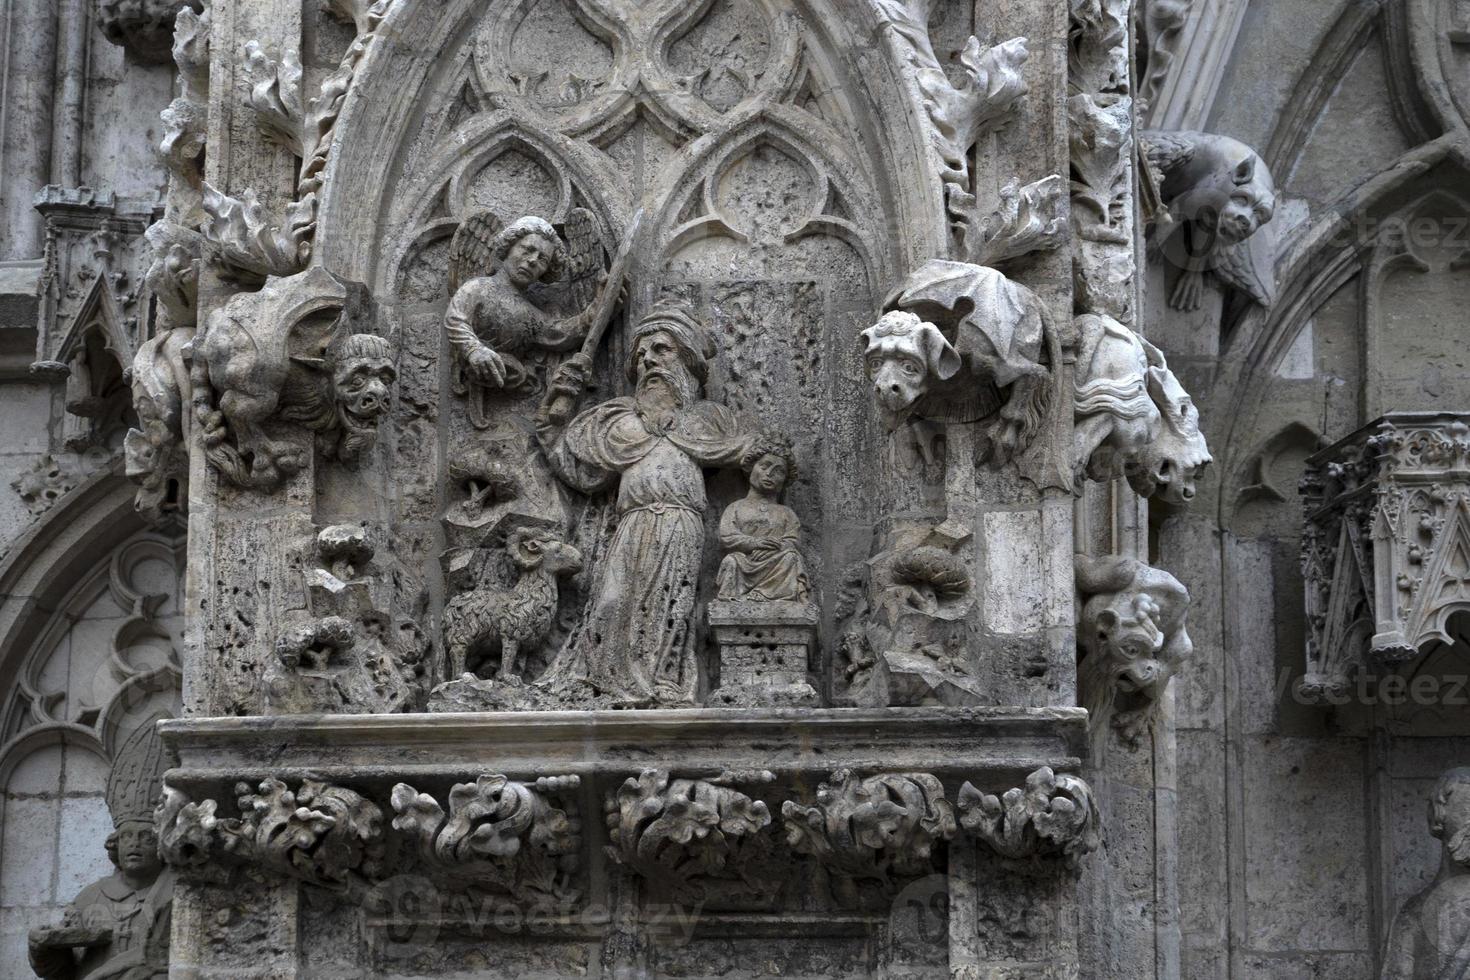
1169,466
364,381
1131,639
905,356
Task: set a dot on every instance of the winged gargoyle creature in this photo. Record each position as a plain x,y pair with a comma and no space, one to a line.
293,353
1219,194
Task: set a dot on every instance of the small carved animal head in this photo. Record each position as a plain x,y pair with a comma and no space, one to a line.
534,548
1127,635
904,357
1228,189
1169,466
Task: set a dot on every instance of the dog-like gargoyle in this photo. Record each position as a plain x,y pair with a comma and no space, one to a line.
296,353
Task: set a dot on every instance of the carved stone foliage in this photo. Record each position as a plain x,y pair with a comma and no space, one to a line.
1131,630
144,27
1133,417
879,829
318,833
959,114
186,119
688,835
294,352
249,241
1217,194
520,839
1385,545
1051,815
962,343
1030,219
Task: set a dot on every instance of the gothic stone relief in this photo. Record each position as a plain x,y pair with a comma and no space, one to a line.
1217,195
959,114
1133,418
1386,532
295,353
962,343
1131,630
356,654
119,926
1051,815
318,833
877,830
910,642
1430,937
690,836
522,840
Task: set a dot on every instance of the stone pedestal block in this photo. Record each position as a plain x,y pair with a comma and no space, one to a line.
764,649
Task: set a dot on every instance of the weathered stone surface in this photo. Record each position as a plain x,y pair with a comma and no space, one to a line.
637,489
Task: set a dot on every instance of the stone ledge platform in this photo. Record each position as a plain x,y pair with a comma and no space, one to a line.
990,743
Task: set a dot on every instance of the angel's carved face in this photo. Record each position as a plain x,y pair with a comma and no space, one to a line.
529,259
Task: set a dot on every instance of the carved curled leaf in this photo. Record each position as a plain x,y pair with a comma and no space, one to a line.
1030,219
185,132
498,833
1101,148
186,831
275,95
681,832
1052,815
249,243
324,835
874,828
191,50
1098,55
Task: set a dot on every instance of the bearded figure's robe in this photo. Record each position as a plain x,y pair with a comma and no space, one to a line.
635,641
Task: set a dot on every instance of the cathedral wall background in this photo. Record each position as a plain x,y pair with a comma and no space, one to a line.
1300,828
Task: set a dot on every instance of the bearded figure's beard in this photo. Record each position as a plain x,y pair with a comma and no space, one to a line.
657,384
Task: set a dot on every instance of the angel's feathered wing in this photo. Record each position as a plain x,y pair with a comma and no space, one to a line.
470,252
585,259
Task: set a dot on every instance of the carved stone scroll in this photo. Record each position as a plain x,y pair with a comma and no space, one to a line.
1051,815
686,833
881,828
497,833
320,834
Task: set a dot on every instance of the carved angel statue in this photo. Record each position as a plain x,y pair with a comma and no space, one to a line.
760,534
519,291
1218,194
